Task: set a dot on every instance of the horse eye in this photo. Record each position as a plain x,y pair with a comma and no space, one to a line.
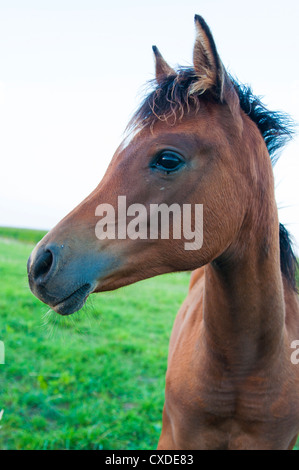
168,161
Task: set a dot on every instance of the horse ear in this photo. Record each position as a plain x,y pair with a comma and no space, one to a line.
163,70
207,64
209,69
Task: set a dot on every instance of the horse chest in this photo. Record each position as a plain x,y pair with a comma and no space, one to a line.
227,410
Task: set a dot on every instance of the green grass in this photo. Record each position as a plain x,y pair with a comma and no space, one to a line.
94,380
24,234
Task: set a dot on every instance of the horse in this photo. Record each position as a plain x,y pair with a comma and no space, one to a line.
198,137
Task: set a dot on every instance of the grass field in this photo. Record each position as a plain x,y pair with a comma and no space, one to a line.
94,380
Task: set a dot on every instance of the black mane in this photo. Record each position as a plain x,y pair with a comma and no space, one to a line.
276,127
171,99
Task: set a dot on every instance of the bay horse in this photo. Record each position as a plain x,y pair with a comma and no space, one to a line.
199,137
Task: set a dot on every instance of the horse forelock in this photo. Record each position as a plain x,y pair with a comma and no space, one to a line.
170,100
181,93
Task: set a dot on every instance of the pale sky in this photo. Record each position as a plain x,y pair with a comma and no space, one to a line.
72,73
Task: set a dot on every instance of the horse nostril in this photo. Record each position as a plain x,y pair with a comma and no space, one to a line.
43,265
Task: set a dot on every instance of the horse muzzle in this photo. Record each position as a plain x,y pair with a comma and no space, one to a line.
62,277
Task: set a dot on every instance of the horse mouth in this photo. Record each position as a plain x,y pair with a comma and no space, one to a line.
73,302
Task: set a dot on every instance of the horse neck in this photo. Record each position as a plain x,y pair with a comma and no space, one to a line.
244,311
